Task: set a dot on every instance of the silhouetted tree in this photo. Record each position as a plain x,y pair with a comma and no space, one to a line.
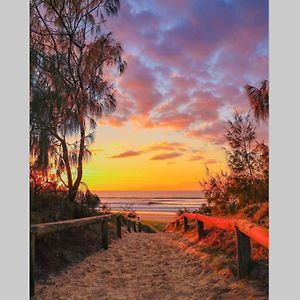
68,93
248,161
240,136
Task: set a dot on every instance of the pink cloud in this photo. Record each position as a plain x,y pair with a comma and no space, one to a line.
138,83
187,71
213,133
174,120
205,107
115,120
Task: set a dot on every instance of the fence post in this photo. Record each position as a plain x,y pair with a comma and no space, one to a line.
104,234
200,229
119,225
129,225
185,224
32,261
139,225
243,253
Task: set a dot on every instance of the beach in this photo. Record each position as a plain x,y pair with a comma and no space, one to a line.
152,205
145,266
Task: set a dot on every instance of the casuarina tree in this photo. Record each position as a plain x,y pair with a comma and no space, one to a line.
259,100
68,92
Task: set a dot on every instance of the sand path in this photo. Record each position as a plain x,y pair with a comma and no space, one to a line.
140,266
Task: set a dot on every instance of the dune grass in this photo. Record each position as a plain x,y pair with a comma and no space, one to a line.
158,226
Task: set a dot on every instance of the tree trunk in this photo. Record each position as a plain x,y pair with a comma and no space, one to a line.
80,156
67,163
73,187
72,194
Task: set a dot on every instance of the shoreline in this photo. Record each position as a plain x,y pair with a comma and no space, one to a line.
153,205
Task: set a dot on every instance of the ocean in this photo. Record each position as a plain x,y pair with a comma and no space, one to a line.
158,205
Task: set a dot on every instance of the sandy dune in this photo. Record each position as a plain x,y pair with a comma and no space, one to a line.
145,266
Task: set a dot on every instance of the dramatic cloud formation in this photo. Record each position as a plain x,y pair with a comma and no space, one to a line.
188,62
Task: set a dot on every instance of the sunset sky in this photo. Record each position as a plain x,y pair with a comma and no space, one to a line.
187,64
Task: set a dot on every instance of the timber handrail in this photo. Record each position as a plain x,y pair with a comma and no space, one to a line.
42,229
51,227
245,230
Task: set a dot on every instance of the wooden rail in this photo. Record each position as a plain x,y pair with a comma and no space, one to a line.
40,230
245,230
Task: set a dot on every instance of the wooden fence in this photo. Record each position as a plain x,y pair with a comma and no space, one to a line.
40,230
245,230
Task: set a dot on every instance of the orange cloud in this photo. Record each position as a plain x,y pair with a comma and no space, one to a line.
166,156
158,146
126,154
116,121
166,146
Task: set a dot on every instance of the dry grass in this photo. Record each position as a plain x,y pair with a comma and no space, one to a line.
158,226
220,247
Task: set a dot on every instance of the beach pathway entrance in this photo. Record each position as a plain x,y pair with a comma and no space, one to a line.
156,266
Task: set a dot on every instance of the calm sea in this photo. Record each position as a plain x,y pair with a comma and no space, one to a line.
163,204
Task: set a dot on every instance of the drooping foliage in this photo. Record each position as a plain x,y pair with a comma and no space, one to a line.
246,156
259,100
68,91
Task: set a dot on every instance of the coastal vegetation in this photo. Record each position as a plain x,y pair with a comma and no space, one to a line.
68,90
158,226
217,249
248,161
50,206
244,190
259,100
70,55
